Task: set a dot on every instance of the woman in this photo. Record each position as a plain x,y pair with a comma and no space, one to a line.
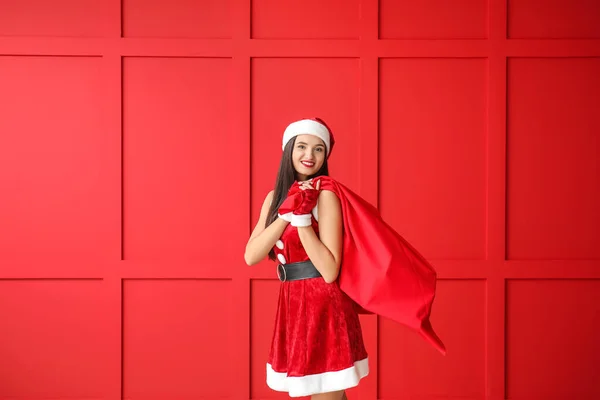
317,347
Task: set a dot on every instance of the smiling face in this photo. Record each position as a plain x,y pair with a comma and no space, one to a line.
308,155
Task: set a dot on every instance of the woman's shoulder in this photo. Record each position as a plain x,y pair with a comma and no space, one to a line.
328,184
328,203
269,197
327,196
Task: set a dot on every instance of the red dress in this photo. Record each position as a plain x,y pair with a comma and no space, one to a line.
317,343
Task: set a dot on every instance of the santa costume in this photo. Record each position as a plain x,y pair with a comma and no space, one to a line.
317,344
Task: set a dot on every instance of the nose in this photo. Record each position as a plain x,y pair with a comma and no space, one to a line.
308,155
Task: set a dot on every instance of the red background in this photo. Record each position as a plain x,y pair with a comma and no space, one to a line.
139,138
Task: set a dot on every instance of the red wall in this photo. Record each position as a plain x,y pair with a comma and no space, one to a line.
138,140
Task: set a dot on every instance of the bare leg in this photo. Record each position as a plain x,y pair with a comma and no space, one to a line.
339,395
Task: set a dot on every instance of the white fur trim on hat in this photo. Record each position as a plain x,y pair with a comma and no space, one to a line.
307,127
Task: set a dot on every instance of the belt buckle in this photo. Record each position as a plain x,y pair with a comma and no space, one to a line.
280,272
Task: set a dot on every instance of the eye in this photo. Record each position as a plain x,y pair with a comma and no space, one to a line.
300,146
319,149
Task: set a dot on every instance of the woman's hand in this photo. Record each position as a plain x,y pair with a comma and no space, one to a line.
310,196
298,206
308,184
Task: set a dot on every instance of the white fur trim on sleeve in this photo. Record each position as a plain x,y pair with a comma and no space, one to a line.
301,220
286,217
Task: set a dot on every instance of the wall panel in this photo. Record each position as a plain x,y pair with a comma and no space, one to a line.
138,140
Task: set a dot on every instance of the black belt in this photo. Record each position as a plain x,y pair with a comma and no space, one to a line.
297,271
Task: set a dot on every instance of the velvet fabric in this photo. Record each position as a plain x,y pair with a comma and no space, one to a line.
301,203
317,329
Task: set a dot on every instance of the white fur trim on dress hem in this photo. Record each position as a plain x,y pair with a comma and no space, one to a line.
298,386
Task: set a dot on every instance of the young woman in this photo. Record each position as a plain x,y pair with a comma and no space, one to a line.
317,347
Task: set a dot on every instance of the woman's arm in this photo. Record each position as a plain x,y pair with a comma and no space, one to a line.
325,251
262,240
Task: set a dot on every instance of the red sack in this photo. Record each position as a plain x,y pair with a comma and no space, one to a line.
380,270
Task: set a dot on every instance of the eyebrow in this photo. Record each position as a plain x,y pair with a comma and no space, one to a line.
307,144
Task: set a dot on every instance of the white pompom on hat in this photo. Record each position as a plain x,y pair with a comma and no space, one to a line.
312,126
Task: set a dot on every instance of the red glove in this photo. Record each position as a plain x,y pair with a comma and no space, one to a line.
309,201
292,202
297,207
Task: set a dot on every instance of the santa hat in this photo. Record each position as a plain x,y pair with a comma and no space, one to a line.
312,126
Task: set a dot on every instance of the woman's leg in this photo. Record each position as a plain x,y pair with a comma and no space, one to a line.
339,395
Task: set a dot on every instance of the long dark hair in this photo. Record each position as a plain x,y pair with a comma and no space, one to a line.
285,178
